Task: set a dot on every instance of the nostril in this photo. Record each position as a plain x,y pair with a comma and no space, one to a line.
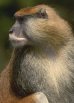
10,31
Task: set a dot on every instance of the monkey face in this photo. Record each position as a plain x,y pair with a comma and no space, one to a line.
21,33
39,25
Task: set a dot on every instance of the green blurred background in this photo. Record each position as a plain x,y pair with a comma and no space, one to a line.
9,7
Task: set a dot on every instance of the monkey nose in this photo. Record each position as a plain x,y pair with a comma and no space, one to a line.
10,31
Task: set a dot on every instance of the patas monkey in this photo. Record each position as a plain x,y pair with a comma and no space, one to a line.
44,54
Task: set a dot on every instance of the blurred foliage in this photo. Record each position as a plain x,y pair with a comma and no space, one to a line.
8,8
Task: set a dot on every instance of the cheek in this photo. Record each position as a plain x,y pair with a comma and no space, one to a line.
33,27
36,30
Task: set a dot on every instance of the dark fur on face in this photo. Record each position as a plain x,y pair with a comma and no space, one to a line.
44,60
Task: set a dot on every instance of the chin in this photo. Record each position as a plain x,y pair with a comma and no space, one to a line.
18,44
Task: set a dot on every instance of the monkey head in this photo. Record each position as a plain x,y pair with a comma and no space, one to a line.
39,25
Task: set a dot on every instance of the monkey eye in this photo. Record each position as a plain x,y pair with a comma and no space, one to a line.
19,18
42,14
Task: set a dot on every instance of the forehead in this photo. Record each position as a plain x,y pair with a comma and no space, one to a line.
28,11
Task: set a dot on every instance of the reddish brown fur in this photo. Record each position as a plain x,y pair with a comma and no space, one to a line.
31,10
27,11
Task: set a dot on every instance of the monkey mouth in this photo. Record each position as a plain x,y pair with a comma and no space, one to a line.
15,38
17,41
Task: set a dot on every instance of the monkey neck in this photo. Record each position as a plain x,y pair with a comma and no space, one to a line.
38,51
59,69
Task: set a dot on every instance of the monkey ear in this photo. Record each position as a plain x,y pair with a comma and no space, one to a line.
42,13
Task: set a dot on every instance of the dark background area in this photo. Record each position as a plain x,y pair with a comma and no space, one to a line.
9,7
